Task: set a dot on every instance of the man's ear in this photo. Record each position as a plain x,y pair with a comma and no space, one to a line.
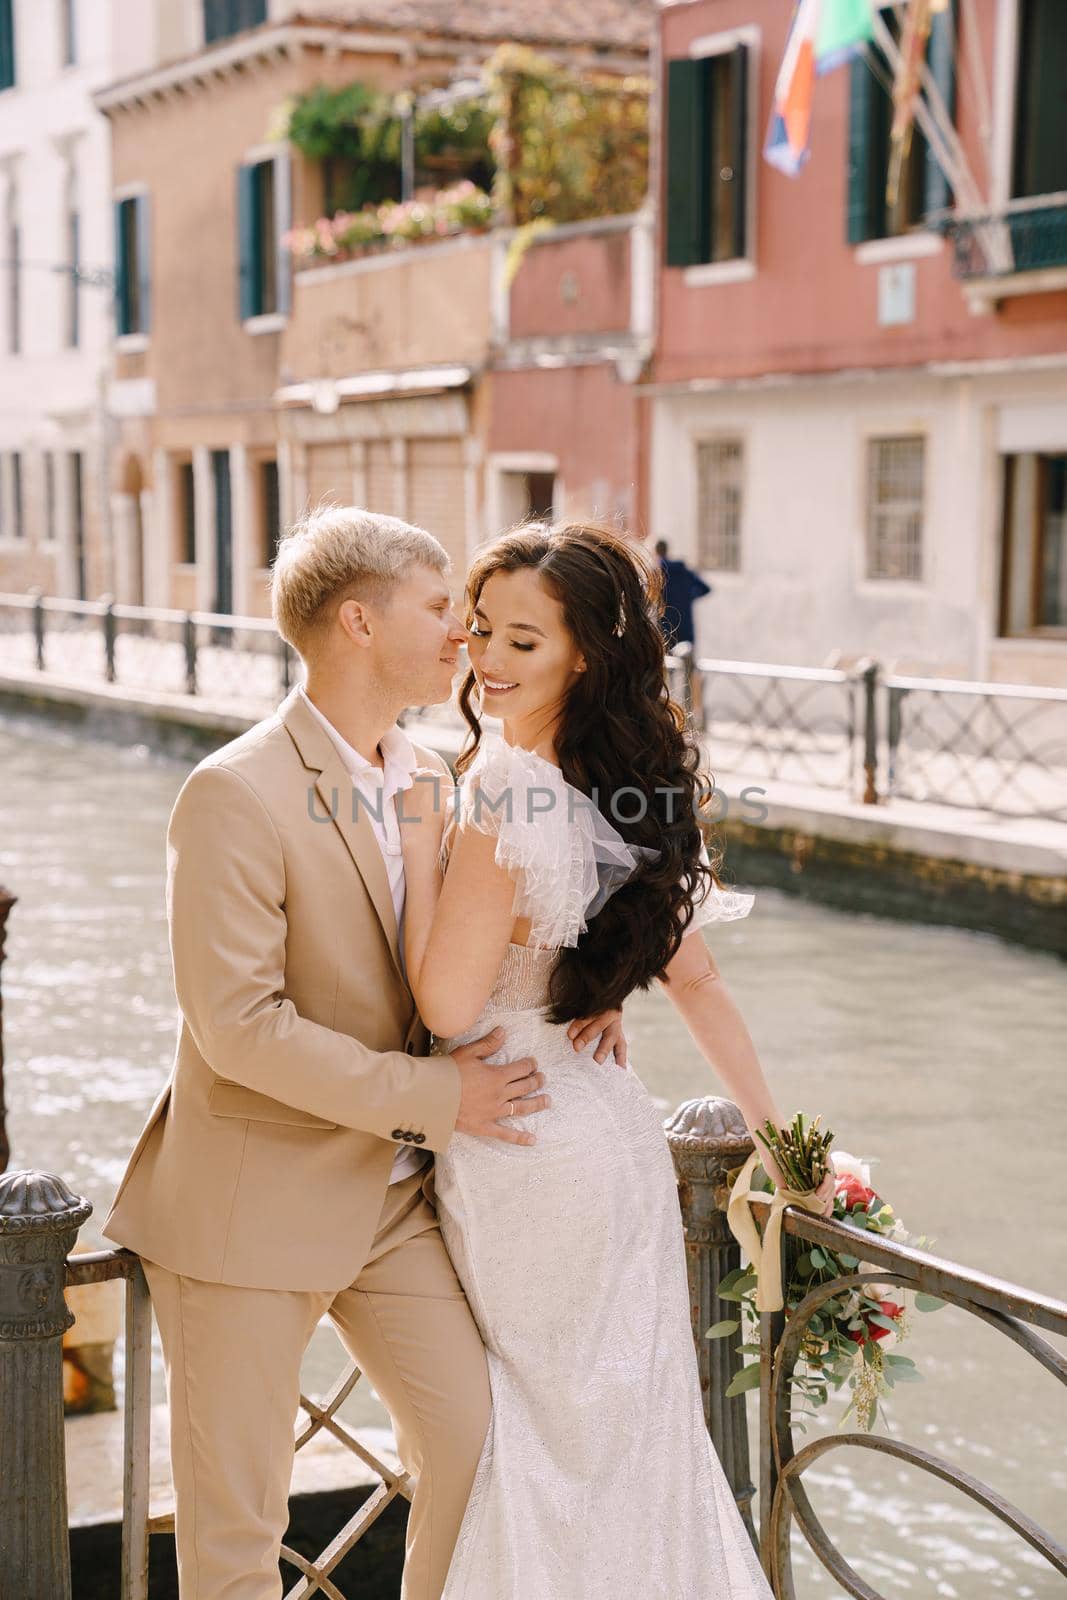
355,620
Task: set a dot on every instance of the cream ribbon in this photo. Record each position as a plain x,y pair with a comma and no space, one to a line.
764,1255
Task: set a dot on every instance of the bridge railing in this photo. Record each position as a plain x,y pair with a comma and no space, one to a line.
39,1219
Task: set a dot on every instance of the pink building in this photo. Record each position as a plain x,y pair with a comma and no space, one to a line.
857,422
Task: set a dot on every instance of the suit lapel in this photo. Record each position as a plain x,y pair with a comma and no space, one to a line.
335,790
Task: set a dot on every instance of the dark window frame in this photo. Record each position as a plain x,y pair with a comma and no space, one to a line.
68,33
8,53
270,509
700,209
186,484
133,265
223,18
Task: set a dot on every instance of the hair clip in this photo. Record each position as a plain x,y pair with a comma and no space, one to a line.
620,627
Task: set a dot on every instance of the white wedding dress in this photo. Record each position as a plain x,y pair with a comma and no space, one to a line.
598,1480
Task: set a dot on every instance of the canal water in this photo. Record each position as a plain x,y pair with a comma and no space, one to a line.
935,1053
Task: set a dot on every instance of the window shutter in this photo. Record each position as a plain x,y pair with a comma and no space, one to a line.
687,163
862,178
7,45
143,226
283,220
122,298
739,141
941,59
248,273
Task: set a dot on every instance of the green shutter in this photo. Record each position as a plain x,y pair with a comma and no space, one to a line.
7,45
866,175
941,59
122,296
739,139
687,163
143,226
249,276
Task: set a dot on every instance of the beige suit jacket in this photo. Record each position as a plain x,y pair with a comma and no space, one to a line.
301,1062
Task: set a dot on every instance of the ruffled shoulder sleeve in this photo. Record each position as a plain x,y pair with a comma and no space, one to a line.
718,905
565,856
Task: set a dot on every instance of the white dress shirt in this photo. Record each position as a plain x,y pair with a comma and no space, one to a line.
385,782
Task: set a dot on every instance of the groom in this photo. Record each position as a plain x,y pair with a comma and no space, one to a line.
285,1171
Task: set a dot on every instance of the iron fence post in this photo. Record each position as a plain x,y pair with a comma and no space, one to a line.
709,1140
109,637
189,635
39,1222
7,900
285,665
894,721
870,733
38,626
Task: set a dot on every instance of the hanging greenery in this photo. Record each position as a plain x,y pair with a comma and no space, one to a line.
568,145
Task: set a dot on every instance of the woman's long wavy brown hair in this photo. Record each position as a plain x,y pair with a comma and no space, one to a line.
620,734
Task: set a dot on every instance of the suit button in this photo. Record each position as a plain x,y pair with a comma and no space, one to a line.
420,1138
396,1134
409,1137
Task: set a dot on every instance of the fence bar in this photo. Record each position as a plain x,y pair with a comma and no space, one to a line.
38,627
39,1222
707,1139
137,1425
870,733
189,635
109,638
7,900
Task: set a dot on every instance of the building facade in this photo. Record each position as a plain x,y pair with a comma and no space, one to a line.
857,422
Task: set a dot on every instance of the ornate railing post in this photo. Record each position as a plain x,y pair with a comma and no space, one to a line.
869,677
7,900
110,632
39,1222
708,1138
38,627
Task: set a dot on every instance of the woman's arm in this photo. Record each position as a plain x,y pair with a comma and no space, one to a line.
456,926
695,986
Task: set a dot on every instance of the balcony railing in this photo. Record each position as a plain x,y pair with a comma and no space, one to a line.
39,1220
1028,235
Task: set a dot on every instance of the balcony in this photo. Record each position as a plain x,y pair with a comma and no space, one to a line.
1020,250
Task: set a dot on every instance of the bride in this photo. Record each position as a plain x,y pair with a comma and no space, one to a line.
565,872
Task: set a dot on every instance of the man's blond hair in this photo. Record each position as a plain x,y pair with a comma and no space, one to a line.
337,553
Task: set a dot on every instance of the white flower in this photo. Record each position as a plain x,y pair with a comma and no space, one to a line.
851,1166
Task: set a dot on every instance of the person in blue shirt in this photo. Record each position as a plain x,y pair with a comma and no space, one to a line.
681,586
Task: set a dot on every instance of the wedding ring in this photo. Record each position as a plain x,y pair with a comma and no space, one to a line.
511,1108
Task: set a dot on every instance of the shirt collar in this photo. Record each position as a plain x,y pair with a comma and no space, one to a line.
398,753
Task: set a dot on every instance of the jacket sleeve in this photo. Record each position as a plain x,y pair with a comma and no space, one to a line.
226,914
698,587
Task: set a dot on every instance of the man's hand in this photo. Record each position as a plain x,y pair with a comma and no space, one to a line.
489,1094
607,1026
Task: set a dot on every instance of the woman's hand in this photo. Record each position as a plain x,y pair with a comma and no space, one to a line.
825,1191
607,1026
423,810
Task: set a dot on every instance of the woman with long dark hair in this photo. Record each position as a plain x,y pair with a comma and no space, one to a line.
567,871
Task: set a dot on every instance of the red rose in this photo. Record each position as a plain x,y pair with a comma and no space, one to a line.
852,1190
888,1308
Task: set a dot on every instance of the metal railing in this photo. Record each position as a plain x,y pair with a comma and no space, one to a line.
860,732
1027,235
39,1219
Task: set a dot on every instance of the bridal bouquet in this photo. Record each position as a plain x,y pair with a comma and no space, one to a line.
852,1337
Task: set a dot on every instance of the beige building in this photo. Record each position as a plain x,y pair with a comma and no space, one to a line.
242,390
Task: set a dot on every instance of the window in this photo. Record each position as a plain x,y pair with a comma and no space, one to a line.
270,506
719,468
708,150
72,309
18,526
262,220
7,44
895,479
14,273
68,32
49,497
1041,104
132,265
923,188
187,513
77,506
1034,553
225,17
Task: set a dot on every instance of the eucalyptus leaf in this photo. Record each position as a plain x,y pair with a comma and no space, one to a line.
721,1329
747,1378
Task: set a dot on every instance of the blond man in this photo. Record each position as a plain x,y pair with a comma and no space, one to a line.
285,1172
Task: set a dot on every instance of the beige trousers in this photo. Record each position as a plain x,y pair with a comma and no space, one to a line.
232,1359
